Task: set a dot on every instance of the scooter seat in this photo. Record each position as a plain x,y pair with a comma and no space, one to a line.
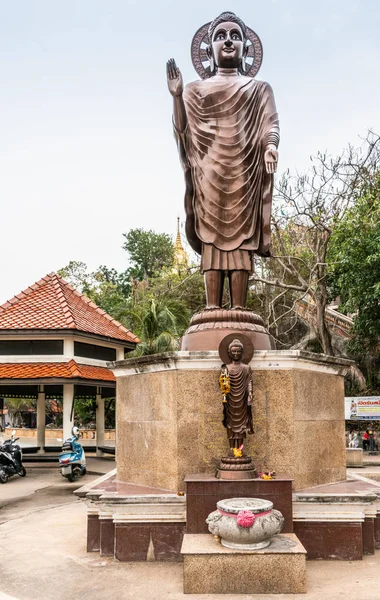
67,447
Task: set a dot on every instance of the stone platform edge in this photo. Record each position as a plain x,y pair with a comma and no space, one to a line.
340,526
262,360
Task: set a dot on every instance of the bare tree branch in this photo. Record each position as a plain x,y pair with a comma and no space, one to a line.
306,208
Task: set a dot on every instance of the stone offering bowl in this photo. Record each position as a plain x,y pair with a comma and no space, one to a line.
245,523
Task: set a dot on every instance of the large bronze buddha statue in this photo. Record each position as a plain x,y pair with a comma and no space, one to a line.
227,130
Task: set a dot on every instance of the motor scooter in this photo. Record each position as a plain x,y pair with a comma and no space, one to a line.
72,460
11,459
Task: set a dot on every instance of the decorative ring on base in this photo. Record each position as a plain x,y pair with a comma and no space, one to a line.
233,546
236,461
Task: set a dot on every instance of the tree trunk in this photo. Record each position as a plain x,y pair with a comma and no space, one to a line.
320,297
323,332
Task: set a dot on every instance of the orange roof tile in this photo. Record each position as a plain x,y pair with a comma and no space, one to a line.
69,370
52,303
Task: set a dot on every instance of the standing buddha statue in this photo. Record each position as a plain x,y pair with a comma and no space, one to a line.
227,130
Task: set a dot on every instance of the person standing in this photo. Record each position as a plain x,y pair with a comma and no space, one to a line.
371,435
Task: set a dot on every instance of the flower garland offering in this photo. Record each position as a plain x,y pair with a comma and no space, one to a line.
245,518
224,382
268,475
238,452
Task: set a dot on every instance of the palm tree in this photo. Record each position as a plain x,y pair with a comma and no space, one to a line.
160,324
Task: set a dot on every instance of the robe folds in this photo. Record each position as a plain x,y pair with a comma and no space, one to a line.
237,412
230,121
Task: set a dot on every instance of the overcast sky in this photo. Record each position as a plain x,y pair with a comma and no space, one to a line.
86,147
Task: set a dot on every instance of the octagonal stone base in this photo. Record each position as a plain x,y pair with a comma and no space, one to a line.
169,417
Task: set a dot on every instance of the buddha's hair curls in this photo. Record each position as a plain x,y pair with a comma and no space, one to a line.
224,18
235,343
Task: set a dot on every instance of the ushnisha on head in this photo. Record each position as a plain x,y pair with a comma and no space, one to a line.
235,350
227,37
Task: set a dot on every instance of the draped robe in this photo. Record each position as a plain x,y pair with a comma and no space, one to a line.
230,121
237,412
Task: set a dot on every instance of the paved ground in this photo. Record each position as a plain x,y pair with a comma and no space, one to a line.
31,441
43,555
44,488
370,459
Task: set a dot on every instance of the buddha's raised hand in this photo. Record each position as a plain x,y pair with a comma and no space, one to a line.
270,159
175,83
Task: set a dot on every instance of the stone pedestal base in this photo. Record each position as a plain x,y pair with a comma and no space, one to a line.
209,327
210,568
204,491
236,468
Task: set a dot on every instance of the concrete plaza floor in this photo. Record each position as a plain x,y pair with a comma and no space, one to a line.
43,557
43,554
31,442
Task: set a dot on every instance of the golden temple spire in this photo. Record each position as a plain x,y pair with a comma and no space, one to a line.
178,241
180,256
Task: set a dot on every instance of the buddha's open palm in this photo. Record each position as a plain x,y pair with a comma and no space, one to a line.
270,159
175,83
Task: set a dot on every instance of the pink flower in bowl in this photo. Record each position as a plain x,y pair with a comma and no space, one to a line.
245,518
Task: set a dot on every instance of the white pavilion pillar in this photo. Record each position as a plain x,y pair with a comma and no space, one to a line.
100,421
41,419
68,419
120,353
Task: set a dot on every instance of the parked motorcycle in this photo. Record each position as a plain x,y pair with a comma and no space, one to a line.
11,459
72,460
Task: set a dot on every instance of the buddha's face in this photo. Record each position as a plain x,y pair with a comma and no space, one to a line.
236,352
228,45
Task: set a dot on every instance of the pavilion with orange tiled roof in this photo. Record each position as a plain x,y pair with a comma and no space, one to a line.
55,342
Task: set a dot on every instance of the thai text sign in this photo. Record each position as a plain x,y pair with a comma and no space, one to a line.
364,408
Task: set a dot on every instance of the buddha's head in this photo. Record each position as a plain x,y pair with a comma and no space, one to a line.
227,36
235,350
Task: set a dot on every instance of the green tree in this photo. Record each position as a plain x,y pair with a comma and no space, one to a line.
107,288
306,212
111,291
159,325
84,411
185,287
148,252
355,266
16,406
76,274
154,298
